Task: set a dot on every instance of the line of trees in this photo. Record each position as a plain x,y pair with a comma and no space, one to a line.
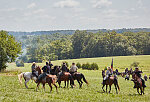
84,44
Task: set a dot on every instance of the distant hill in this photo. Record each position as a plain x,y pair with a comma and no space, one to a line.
70,32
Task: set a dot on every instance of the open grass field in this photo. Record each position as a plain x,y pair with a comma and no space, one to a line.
11,90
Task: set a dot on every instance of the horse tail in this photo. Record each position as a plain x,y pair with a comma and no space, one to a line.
84,79
20,77
116,81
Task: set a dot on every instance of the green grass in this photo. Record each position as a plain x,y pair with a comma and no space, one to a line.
11,90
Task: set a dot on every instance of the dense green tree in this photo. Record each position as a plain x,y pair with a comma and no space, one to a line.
9,49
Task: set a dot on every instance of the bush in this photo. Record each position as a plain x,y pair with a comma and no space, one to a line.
78,65
135,64
83,66
86,66
94,66
19,63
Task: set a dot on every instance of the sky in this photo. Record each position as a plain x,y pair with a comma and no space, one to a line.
44,15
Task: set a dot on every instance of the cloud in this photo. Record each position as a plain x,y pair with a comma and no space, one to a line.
101,3
66,3
32,5
8,10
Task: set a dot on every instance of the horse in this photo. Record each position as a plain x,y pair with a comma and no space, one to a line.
111,80
27,76
78,76
50,79
138,83
65,77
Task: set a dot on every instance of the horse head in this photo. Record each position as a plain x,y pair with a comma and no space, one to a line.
38,68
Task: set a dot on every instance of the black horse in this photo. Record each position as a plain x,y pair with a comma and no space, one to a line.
79,76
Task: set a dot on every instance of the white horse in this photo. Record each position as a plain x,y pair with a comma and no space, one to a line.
27,76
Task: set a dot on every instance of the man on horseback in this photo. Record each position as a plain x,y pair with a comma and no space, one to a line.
33,68
50,64
46,71
138,74
73,68
109,72
64,69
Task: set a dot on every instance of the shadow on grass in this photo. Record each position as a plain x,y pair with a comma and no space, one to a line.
103,92
134,95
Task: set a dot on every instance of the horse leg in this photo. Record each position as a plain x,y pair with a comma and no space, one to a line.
116,88
59,82
79,83
37,86
50,87
109,88
138,90
44,86
106,88
143,90
55,87
67,83
103,87
26,83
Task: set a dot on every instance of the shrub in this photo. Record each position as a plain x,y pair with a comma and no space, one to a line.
78,65
83,66
19,63
88,66
135,64
94,66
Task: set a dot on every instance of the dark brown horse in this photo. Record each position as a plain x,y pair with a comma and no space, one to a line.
50,79
138,83
66,77
109,81
79,76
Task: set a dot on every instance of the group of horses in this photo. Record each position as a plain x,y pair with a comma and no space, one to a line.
113,80
52,78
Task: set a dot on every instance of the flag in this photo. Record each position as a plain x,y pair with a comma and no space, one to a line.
112,64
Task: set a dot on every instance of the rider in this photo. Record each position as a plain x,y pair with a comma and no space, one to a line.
138,73
64,69
46,71
109,72
50,64
126,70
73,68
33,67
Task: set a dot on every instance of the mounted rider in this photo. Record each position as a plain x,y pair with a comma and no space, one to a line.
64,69
73,68
50,64
33,68
138,74
109,72
46,71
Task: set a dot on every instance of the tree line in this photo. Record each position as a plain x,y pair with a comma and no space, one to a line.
83,44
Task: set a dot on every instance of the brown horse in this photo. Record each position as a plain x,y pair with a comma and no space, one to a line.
50,79
138,83
66,76
111,80
78,76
